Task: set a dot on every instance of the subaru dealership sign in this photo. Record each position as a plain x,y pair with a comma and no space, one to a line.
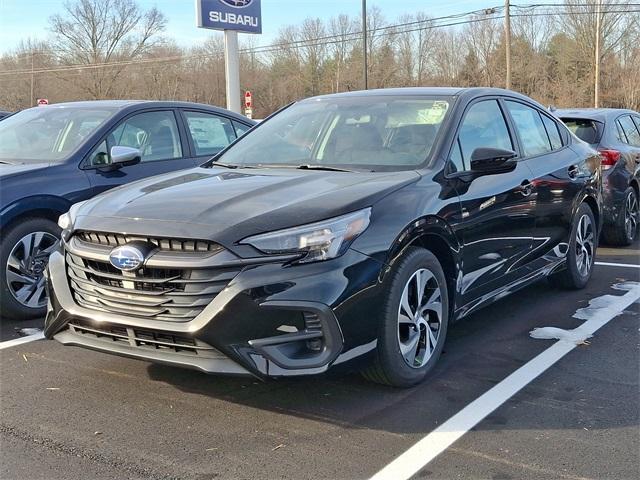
239,15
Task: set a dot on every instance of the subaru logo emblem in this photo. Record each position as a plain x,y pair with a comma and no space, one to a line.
237,3
127,258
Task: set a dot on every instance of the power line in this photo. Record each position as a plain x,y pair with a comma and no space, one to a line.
426,24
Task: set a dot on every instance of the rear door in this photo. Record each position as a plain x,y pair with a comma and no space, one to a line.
497,223
558,176
159,137
629,135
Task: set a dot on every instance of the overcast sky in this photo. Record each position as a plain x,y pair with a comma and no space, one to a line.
21,19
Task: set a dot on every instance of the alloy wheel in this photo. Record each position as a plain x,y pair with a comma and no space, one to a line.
25,268
419,318
631,215
585,245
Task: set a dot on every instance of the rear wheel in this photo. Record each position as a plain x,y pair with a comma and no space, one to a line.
623,232
413,323
24,254
581,253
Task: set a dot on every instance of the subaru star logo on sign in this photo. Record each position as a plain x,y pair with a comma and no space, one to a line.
126,258
240,15
237,3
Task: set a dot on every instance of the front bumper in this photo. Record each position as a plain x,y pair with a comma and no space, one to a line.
270,320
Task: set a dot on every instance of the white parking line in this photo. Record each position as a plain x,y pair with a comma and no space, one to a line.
413,460
626,265
21,340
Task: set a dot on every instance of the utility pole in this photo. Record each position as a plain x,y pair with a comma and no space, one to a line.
507,39
596,89
32,79
364,43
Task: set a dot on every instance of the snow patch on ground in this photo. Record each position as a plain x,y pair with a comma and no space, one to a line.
599,308
553,333
25,332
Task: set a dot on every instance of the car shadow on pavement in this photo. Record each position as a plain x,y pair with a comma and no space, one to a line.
481,351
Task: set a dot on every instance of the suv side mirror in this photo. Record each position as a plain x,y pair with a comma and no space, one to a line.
124,156
490,161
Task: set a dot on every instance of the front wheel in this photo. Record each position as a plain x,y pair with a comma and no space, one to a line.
413,323
581,253
24,254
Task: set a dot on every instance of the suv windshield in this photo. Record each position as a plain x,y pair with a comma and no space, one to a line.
373,133
48,134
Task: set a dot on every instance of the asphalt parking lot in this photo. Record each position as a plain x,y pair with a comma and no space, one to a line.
76,414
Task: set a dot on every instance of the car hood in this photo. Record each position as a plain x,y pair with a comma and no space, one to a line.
9,170
229,205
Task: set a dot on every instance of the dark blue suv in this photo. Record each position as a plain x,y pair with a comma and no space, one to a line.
52,157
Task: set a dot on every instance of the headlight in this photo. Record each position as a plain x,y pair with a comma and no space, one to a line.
319,241
66,220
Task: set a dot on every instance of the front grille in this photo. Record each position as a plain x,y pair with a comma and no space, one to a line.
112,240
166,294
144,339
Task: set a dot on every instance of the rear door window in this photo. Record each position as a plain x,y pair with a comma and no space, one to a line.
630,131
241,128
210,133
585,129
553,132
531,130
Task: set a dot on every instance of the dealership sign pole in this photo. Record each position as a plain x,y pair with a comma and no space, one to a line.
231,16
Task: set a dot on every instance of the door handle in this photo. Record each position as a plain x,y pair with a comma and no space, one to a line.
573,171
526,188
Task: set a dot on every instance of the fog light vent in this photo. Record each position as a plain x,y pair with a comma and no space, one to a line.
312,323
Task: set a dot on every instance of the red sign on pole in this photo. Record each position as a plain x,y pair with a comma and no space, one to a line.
43,101
248,99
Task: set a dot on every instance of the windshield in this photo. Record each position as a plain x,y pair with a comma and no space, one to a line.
48,134
372,133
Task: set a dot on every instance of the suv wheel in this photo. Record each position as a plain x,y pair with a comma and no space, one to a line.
414,319
623,232
581,253
24,254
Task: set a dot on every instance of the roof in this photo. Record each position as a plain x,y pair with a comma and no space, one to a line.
599,114
122,104
428,91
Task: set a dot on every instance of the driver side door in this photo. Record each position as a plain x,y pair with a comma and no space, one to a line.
157,134
497,216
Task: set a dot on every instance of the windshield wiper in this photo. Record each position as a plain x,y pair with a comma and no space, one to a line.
223,165
308,166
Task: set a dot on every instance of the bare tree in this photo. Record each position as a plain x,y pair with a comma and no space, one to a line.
93,32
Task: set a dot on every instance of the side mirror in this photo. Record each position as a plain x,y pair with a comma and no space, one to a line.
124,156
490,161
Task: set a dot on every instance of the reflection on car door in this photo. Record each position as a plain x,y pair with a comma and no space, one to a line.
156,134
558,176
496,210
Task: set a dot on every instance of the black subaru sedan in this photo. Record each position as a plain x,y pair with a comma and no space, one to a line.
349,226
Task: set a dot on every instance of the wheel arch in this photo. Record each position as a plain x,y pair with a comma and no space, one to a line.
635,184
595,209
41,206
436,235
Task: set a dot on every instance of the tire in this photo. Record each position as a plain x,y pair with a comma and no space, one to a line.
624,231
581,253
24,253
397,331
